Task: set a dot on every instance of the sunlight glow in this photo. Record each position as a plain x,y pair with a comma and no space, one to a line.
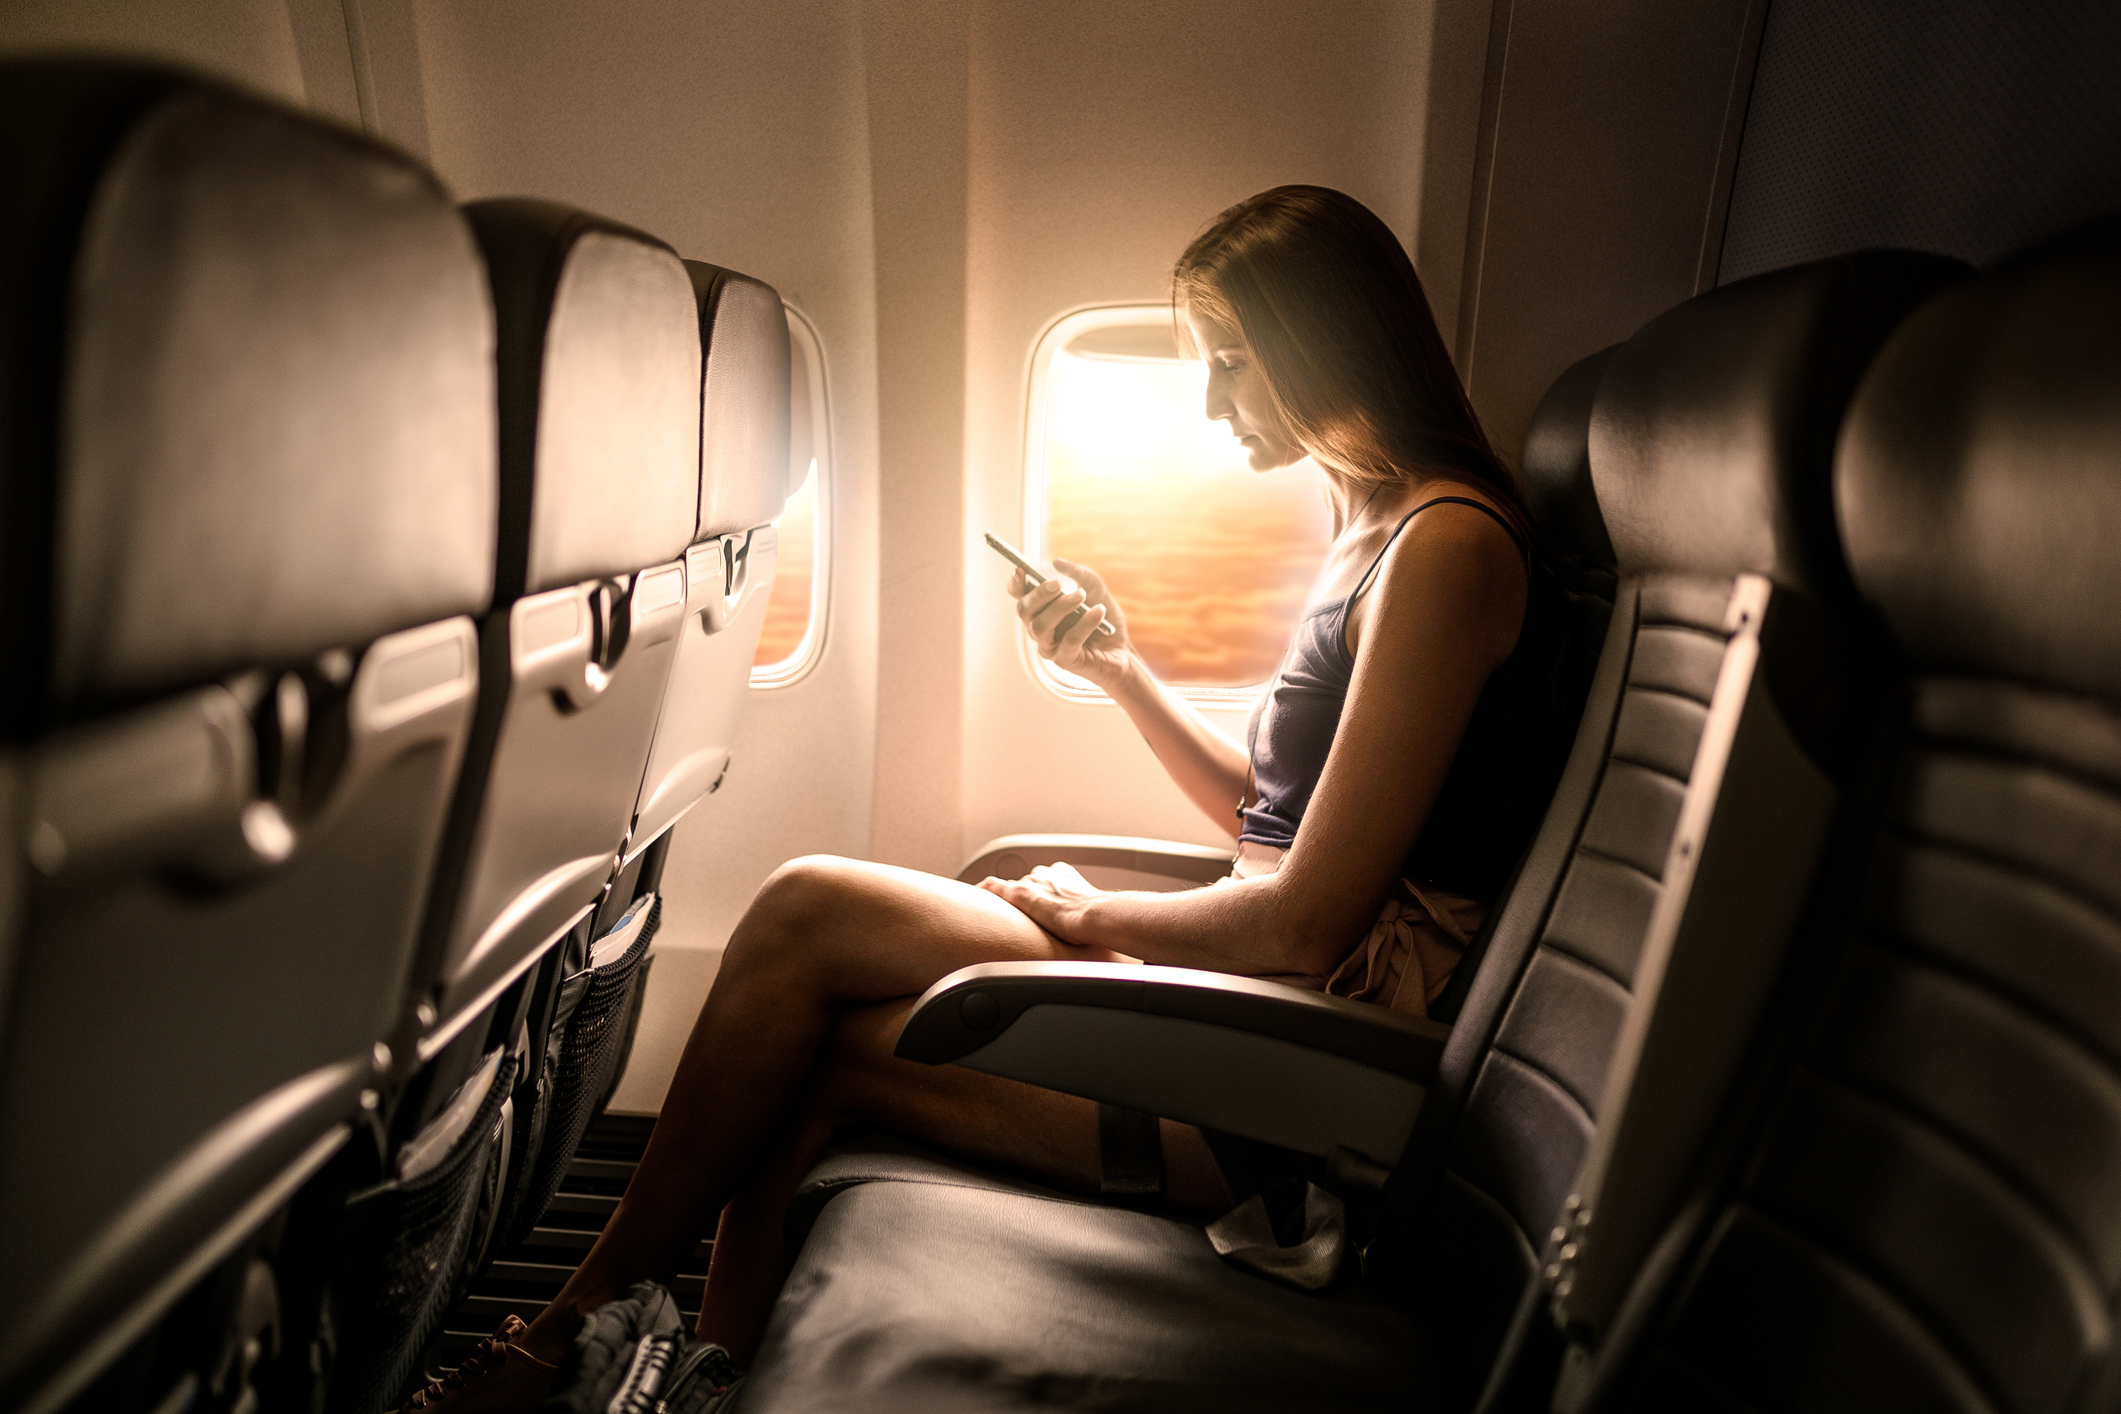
788,610
792,636
1210,560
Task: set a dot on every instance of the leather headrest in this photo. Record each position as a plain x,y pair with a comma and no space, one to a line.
1980,472
246,390
746,476
600,395
1713,432
1557,466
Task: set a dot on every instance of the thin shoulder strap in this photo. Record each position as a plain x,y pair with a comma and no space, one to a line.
1507,529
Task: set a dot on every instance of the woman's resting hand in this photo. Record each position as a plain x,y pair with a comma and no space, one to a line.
1052,896
1061,616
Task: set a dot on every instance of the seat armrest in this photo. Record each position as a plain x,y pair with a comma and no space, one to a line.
1265,1061
1109,861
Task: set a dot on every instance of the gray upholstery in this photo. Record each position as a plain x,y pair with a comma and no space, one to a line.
599,372
297,334
1720,422
746,474
926,1286
598,357
598,366
1702,414
1556,470
1977,458
1922,1212
613,404
326,469
745,479
248,498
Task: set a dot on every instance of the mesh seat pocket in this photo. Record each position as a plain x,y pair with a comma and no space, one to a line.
583,1050
409,1243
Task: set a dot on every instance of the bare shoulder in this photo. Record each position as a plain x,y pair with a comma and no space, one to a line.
1454,568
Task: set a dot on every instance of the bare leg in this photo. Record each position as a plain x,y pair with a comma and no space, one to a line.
823,936
1040,1133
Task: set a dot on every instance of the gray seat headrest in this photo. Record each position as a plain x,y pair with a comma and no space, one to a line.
1713,431
247,396
1557,468
599,393
746,476
1980,472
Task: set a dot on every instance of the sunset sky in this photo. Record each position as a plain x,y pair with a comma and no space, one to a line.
1210,560
788,611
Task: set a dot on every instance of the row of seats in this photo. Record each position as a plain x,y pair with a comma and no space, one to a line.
382,581
1786,1075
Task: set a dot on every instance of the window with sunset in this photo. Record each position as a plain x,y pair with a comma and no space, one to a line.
1210,560
794,632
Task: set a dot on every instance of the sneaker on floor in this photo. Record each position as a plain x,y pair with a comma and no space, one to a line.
499,1377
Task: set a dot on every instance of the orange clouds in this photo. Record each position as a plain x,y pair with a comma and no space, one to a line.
1211,567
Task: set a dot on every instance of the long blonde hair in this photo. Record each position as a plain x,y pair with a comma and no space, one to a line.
1341,329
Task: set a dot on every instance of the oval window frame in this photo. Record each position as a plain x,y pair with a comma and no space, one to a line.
810,648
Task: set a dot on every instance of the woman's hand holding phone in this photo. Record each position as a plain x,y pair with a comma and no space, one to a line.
1062,616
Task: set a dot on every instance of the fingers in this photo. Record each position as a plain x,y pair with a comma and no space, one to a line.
1054,615
1073,637
1030,600
1095,590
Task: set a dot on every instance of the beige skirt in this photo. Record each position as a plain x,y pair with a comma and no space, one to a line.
1407,957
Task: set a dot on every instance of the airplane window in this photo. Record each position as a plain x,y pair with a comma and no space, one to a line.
1210,561
794,633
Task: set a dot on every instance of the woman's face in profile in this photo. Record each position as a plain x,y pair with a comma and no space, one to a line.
1237,394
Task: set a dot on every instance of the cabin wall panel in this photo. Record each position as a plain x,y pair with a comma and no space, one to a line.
324,49
383,50
915,57
1607,141
1102,136
1457,74
246,42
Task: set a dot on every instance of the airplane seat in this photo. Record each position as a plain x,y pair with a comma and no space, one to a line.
247,499
597,359
1710,444
746,478
1556,472
747,474
1921,1206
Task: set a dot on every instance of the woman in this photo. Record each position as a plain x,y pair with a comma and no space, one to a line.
1395,771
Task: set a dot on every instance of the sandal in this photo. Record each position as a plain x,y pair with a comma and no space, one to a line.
499,1377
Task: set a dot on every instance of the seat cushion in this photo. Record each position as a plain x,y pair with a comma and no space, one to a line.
928,1286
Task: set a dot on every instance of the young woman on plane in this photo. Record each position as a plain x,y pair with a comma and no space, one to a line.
1397,767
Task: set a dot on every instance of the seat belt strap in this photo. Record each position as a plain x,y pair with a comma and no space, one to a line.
1130,1153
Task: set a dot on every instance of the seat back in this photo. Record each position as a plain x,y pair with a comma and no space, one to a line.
1709,446
1556,469
1923,1211
247,423
599,370
746,478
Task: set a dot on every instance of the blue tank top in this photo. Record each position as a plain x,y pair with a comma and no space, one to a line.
1507,763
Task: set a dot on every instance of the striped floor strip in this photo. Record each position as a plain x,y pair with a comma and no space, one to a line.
523,1278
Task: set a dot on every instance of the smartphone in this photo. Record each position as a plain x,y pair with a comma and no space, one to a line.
1031,572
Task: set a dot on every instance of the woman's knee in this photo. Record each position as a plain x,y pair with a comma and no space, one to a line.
798,902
